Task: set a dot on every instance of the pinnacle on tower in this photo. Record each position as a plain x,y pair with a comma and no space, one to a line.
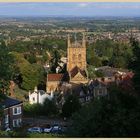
75,39
84,40
68,41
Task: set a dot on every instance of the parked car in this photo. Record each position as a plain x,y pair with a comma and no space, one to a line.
35,129
47,129
56,129
7,129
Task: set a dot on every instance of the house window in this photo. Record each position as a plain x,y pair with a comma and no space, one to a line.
100,91
109,78
33,99
6,119
17,110
17,123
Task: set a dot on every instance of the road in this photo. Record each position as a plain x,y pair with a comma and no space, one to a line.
42,121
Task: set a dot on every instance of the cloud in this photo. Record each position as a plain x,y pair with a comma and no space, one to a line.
82,5
117,6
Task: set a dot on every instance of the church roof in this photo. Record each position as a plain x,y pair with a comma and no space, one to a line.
55,77
75,70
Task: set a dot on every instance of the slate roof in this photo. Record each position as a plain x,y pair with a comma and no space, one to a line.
42,92
98,83
75,70
110,71
9,102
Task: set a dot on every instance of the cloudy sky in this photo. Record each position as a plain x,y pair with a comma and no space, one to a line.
70,9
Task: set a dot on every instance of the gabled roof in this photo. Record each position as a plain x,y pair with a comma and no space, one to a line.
75,70
55,77
41,92
9,102
110,71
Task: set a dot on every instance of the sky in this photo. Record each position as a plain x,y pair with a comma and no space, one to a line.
70,9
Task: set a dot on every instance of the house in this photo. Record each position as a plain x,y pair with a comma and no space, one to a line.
39,96
111,74
11,113
126,82
97,88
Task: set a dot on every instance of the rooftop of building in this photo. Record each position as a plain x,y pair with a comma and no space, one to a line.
9,102
75,71
55,77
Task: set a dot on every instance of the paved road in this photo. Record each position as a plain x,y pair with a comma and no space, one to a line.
42,121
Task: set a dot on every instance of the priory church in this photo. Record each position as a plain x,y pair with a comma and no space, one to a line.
76,66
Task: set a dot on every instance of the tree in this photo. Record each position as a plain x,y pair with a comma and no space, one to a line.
32,75
49,107
55,60
6,70
108,52
2,98
135,64
70,106
91,71
116,116
29,75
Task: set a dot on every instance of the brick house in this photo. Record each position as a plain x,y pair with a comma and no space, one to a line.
12,113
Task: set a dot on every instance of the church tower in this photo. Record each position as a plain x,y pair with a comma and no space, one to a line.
76,54
76,64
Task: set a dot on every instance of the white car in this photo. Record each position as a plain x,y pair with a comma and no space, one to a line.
56,129
47,129
35,129
8,129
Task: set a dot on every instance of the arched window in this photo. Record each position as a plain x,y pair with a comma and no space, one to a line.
79,57
74,57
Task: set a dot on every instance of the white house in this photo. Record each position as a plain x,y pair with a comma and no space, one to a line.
39,96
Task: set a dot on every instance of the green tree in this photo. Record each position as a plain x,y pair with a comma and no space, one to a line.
135,64
116,116
55,60
32,75
50,108
6,71
70,106
91,71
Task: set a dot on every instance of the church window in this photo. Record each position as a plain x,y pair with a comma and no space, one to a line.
79,57
74,57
